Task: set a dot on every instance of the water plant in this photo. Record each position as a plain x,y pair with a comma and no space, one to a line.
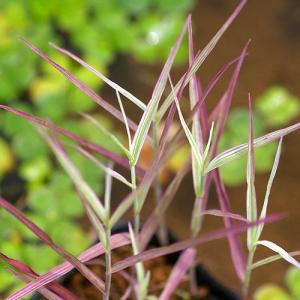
202,131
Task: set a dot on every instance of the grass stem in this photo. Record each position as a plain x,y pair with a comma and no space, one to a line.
136,208
162,230
107,265
248,272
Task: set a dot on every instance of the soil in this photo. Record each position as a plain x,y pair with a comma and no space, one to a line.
160,271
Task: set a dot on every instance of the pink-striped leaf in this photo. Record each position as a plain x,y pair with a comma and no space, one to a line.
117,240
220,213
236,250
189,243
18,268
85,89
180,269
91,146
97,282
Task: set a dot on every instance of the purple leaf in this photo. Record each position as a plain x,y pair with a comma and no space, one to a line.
195,94
85,89
20,267
236,250
200,58
219,213
200,105
152,223
117,240
163,77
115,86
189,243
226,102
91,146
181,267
97,282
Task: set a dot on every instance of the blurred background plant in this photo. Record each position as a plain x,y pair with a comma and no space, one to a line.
276,292
28,173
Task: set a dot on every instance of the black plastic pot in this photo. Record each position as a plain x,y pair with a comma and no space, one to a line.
217,291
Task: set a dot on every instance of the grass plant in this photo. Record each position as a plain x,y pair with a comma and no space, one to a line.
202,131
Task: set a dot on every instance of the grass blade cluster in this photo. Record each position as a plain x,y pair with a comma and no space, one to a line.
202,132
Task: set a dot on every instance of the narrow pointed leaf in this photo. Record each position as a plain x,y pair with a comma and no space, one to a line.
97,282
251,208
200,104
219,213
115,86
99,164
223,108
85,89
48,294
237,151
151,110
94,147
116,141
180,269
236,250
125,120
189,135
285,255
269,186
200,58
76,177
117,240
22,268
194,93
190,243
271,259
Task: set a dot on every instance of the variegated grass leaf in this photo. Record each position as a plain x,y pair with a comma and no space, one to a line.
271,259
151,109
117,240
112,84
189,243
103,130
237,151
269,186
284,254
199,59
125,121
251,208
142,277
25,273
180,269
99,164
86,272
76,138
74,174
84,88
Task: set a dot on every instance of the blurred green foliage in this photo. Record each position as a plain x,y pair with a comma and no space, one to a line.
275,292
51,201
276,107
91,28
